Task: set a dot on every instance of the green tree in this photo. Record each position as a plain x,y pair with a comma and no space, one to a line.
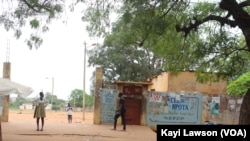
208,45
76,98
15,15
57,104
239,86
18,102
225,52
89,100
51,98
129,50
233,13
205,41
125,62
48,96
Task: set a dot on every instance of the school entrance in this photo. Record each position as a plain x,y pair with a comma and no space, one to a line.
135,102
133,98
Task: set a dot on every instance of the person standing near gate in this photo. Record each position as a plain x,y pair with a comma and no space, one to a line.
120,112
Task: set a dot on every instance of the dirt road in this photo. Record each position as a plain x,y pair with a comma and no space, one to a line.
22,127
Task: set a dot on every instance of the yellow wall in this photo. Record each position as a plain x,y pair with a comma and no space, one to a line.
160,83
186,81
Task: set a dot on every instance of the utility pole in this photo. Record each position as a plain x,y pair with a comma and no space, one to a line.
84,74
52,89
83,90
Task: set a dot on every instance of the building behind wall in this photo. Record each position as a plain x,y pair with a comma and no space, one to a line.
229,106
136,100
186,81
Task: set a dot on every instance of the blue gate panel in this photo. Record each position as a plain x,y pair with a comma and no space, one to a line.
108,105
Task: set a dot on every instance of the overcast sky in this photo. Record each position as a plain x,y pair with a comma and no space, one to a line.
60,56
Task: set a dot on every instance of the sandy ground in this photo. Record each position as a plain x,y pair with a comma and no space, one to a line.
22,127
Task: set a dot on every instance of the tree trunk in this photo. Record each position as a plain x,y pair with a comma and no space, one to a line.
240,16
244,118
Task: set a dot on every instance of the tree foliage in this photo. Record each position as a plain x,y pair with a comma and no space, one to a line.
15,15
76,99
129,49
18,102
227,54
239,86
57,104
235,13
187,35
125,62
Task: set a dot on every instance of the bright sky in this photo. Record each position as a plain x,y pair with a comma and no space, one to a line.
60,56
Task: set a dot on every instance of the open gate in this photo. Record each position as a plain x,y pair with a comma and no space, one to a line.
133,100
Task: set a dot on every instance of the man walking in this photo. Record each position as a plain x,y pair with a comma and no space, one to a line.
120,112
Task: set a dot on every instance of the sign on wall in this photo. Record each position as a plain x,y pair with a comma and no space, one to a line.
173,108
214,105
108,105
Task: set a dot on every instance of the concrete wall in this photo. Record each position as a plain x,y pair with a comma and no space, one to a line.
186,81
229,109
160,83
229,106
